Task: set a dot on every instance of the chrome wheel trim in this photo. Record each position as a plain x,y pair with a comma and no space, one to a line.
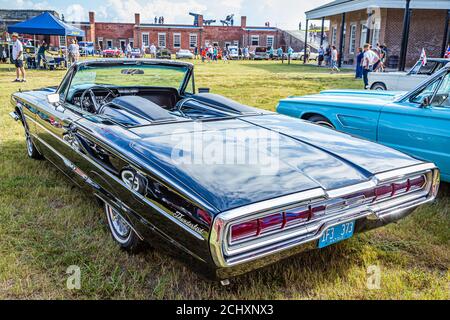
30,146
325,124
120,229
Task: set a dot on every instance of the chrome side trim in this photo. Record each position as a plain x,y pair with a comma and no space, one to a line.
119,181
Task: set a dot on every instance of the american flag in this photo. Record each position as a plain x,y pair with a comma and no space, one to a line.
423,57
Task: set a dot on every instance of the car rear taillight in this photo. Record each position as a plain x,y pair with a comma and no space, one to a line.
297,215
382,192
291,217
272,222
244,230
417,183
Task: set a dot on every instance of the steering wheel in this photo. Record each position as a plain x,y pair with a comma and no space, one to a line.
93,98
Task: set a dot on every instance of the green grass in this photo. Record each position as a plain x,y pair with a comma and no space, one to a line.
47,224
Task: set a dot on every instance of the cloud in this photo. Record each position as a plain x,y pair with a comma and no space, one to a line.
75,12
27,4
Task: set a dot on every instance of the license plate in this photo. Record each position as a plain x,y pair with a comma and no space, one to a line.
336,233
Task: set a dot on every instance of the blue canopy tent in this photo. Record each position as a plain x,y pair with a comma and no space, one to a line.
46,24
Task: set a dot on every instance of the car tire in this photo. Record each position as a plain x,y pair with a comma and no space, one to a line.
321,121
378,86
32,152
121,231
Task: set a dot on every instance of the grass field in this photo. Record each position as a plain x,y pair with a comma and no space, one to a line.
47,224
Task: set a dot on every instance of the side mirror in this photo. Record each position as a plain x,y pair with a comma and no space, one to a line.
426,101
53,98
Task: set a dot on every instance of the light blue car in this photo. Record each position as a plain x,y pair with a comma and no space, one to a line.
415,122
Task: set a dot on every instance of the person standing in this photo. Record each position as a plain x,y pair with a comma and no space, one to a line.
290,51
359,68
128,50
74,52
270,52
320,57
153,51
327,56
334,59
143,50
280,53
41,53
370,58
17,55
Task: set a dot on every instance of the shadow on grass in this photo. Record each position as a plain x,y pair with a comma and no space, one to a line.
294,67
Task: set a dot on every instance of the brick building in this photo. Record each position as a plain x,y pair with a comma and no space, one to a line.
404,26
176,36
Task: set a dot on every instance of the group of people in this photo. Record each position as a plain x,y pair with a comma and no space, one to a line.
159,20
212,53
329,56
370,59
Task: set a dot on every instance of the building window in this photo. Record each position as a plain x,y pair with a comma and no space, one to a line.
62,40
254,40
145,41
131,42
109,43
363,39
269,41
376,33
236,42
177,40
100,43
352,38
192,40
161,40
333,35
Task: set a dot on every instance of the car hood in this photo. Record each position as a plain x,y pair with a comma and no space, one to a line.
222,163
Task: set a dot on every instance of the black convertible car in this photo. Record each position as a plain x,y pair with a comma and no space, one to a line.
226,187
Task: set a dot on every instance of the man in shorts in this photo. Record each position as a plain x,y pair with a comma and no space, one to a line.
17,55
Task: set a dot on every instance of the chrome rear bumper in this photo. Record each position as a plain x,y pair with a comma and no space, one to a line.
14,115
238,259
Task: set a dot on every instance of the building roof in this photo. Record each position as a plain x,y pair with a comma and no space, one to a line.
46,24
340,6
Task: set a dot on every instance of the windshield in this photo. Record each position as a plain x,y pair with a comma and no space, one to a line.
129,75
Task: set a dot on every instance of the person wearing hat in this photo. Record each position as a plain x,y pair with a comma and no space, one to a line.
17,55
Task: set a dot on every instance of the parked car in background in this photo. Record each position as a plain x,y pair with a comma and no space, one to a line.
300,56
406,80
184,54
163,54
86,48
233,52
416,122
111,53
259,53
121,129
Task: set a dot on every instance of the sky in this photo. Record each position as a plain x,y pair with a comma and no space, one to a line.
285,14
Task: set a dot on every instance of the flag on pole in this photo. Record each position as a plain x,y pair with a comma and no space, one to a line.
423,57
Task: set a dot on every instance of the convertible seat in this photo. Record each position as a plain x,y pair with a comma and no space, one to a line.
143,108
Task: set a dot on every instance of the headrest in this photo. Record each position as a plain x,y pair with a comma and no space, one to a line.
143,107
